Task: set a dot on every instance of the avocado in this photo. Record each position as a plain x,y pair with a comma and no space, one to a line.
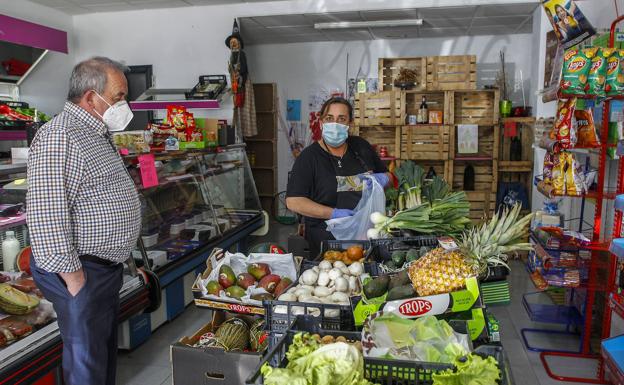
376,287
398,257
412,255
401,292
390,264
399,279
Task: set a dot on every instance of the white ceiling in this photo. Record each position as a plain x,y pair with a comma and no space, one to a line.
437,22
78,7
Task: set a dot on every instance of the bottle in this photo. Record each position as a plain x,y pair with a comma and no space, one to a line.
423,113
430,174
469,178
10,249
361,86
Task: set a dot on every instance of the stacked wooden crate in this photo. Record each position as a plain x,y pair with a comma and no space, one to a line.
449,85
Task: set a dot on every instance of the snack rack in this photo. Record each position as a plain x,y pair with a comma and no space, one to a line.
602,263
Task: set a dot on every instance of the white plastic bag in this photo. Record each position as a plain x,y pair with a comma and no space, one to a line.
355,227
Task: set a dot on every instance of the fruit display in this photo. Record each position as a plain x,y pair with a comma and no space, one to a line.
402,259
352,254
444,271
326,283
249,280
14,301
389,287
310,361
236,334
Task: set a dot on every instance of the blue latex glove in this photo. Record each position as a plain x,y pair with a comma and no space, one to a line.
341,213
380,177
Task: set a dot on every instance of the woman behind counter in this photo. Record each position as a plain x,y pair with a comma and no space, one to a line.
325,180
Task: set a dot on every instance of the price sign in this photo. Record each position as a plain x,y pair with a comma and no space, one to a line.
147,166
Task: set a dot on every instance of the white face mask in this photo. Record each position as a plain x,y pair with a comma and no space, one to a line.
116,117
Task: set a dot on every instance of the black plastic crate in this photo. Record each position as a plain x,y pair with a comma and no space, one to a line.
377,370
495,273
204,80
280,322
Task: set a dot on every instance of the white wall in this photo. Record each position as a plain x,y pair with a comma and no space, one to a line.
46,87
298,67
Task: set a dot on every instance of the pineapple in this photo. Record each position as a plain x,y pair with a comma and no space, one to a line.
441,271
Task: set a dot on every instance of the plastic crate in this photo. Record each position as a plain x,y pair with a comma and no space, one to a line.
280,322
377,370
332,244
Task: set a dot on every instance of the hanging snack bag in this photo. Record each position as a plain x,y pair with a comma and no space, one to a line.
558,173
548,167
563,124
586,136
598,72
190,126
574,181
615,74
575,71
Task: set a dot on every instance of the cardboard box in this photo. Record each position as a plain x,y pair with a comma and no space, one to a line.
454,302
210,130
208,366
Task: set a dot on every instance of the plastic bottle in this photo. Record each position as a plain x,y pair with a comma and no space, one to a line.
10,249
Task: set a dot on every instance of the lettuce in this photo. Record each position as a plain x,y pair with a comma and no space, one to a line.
474,370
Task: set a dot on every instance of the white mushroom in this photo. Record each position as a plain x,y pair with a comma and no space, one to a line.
323,279
342,284
290,297
334,274
356,269
322,291
339,264
309,277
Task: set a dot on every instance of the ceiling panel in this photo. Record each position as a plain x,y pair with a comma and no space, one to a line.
506,9
282,20
442,32
446,23
329,17
447,12
348,35
394,14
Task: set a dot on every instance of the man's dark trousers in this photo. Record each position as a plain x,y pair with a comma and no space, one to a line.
88,321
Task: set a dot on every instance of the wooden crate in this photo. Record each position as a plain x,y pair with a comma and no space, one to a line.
482,204
427,142
487,144
436,101
476,107
524,130
442,168
452,72
389,69
382,136
378,109
486,175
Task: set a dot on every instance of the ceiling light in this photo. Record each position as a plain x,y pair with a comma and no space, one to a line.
368,24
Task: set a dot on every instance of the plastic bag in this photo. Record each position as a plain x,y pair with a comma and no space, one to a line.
355,227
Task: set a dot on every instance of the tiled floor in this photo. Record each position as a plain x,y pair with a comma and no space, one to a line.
149,364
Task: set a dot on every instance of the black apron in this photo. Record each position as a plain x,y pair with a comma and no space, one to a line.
315,232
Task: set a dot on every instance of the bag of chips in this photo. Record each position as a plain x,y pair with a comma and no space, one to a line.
176,116
548,167
563,124
598,72
558,173
615,74
574,179
586,135
575,71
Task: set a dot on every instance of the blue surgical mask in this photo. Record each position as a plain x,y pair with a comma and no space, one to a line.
335,134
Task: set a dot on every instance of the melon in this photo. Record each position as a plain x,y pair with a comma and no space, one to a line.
22,262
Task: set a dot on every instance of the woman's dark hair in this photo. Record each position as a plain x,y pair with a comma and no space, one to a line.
337,100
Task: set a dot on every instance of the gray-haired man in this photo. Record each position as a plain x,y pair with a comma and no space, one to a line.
84,218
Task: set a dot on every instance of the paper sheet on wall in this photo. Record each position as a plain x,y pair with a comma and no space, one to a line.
467,139
293,110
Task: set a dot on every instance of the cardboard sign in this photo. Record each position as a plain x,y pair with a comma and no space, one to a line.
149,177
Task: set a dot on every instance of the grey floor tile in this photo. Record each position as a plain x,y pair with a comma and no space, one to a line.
168,381
141,374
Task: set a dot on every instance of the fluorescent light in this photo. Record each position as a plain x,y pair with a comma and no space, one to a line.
368,24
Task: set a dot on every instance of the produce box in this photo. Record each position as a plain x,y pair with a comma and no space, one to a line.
280,314
457,301
376,370
384,248
332,244
282,265
378,109
210,365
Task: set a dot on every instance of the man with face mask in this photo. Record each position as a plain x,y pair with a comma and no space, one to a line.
84,218
325,180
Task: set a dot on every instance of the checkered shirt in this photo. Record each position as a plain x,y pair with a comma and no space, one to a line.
80,197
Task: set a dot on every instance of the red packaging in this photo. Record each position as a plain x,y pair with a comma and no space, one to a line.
176,116
563,124
586,136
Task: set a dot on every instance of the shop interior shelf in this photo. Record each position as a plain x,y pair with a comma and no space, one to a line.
519,119
550,313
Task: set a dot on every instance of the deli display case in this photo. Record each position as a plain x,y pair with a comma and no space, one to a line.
192,202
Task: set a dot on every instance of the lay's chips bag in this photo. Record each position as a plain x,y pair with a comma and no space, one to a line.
598,72
615,74
575,71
